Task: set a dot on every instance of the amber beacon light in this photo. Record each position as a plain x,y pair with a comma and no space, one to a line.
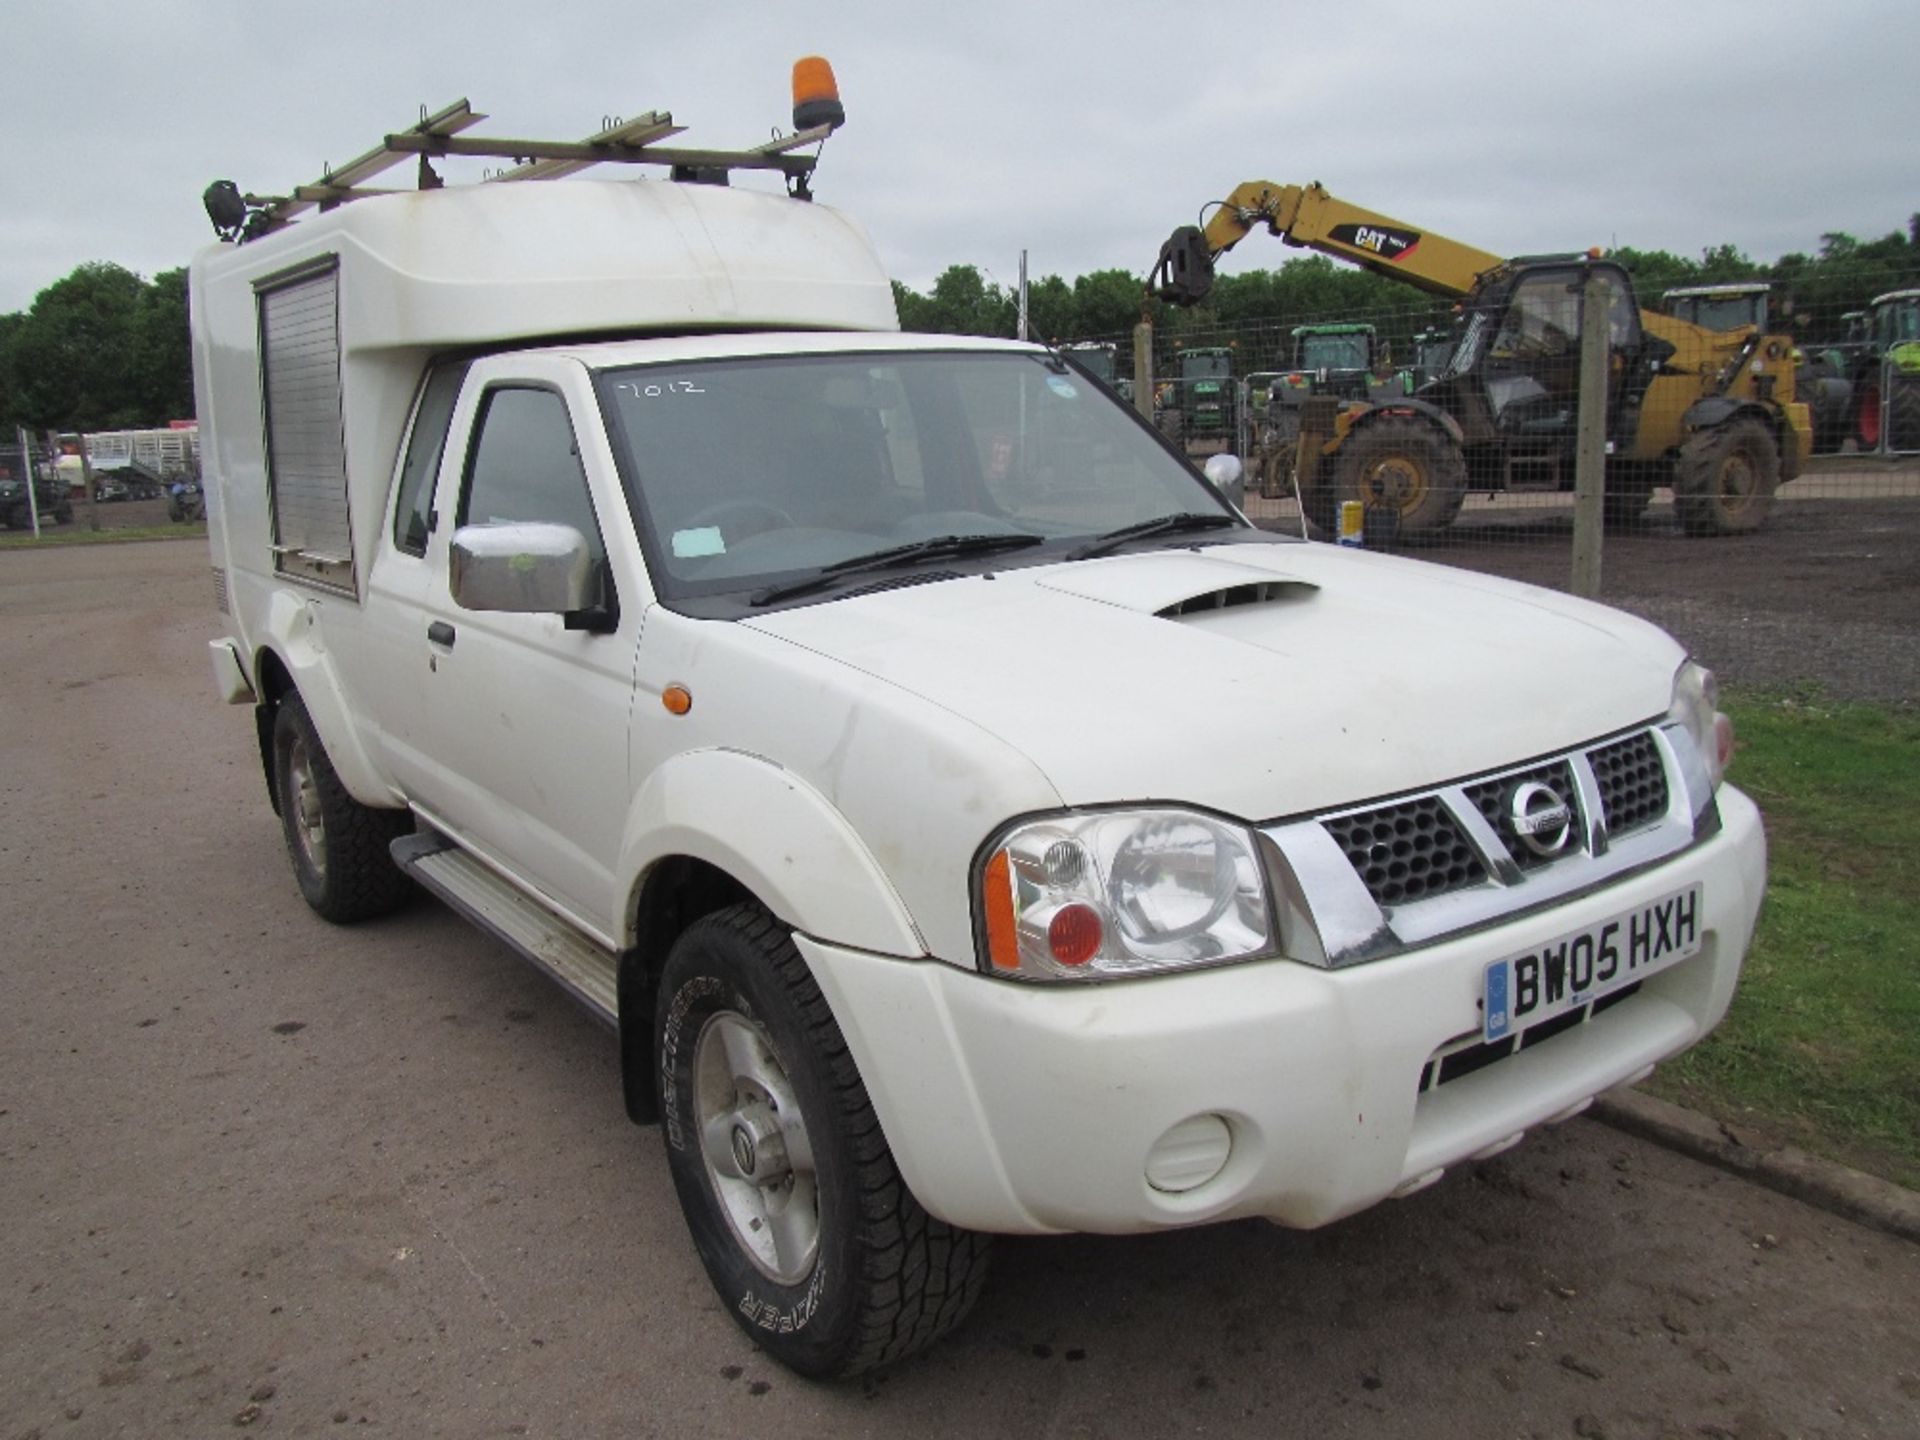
816,97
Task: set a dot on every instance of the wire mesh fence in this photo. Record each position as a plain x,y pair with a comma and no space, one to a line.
1732,410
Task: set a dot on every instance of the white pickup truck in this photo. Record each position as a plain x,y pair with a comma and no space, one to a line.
967,820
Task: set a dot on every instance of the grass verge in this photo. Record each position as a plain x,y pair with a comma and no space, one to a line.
78,534
1822,1045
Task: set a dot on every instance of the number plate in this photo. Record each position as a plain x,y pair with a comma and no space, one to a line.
1577,968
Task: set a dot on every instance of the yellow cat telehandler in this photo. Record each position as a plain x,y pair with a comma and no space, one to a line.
1711,414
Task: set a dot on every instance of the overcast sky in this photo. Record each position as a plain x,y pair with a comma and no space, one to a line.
1080,132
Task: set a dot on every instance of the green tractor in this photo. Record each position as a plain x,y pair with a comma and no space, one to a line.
1198,408
1887,379
1339,360
1100,359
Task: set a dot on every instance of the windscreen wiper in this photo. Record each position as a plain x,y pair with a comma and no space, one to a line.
940,547
1164,525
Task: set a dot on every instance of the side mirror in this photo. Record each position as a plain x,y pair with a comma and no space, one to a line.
1227,475
526,568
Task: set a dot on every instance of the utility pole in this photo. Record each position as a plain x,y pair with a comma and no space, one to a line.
1020,332
1590,436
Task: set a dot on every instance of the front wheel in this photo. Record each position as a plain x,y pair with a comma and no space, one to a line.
807,1231
1724,480
1399,464
339,847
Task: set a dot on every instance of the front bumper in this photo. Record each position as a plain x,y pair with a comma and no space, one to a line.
1028,1109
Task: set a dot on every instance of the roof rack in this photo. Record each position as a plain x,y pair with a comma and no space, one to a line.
629,142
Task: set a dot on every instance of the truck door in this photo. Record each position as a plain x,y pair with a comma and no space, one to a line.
519,733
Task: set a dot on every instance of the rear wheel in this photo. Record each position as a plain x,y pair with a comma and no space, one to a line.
1397,464
811,1238
1724,480
337,845
1903,413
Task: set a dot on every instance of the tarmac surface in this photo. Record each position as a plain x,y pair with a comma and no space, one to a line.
257,1171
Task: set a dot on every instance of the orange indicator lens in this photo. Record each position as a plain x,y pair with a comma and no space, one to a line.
1003,944
677,698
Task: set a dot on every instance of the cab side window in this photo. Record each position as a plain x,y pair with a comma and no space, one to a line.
426,442
525,465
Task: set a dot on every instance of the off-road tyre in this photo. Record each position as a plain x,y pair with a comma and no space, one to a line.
1903,414
883,1278
1398,462
1828,397
1724,479
338,847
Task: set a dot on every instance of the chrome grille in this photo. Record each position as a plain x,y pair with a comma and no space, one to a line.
1408,850
1385,878
1492,799
1632,781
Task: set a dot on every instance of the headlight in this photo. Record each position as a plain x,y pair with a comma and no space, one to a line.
1696,706
1111,893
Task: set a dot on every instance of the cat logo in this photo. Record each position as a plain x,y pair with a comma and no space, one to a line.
1388,244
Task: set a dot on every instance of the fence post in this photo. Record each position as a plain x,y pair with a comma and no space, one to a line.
1143,367
1590,438
32,478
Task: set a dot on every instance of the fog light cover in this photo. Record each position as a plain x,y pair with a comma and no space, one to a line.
1189,1155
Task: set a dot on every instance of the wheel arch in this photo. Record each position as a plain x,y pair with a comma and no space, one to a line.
291,659
711,828
1421,409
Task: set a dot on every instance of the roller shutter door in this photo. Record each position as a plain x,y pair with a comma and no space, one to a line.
306,452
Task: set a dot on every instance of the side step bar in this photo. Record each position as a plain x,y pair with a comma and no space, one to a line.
585,969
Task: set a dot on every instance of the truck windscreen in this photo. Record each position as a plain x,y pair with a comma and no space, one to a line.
748,471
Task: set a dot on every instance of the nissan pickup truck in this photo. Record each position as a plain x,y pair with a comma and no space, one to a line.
965,820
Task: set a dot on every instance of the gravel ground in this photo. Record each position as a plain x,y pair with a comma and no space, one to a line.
1825,595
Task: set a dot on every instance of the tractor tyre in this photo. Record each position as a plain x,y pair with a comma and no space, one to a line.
1829,400
1398,463
1724,480
1903,414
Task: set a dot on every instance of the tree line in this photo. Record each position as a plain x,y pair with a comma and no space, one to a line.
105,349
1812,292
101,349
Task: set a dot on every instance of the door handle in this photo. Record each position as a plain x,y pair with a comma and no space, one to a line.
440,633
